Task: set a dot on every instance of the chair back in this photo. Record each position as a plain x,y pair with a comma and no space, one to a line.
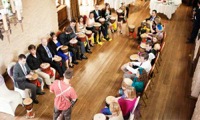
1,80
131,117
150,75
10,70
162,46
147,85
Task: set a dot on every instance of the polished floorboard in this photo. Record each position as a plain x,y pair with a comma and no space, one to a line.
100,75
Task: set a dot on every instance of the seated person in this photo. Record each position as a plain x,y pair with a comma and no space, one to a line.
90,26
104,27
116,112
153,15
56,47
140,80
34,61
127,103
81,44
130,69
64,38
47,55
152,53
81,28
121,16
22,74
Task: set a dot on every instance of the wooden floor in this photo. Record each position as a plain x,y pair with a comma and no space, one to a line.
100,75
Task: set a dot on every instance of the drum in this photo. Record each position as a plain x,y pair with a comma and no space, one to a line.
58,59
109,99
99,116
112,20
144,35
143,45
119,12
134,57
131,28
127,82
73,42
82,37
34,80
45,67
28,104
97,25
102,20
88,33
64,49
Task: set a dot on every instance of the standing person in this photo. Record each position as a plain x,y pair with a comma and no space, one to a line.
22,74
65,96
121,16
196,25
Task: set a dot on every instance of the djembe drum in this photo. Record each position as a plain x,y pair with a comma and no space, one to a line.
28,104
120,12
131,29
81,37
109,99
64,49
88,33
97,26
134,57
34,80
99,116
102,20
58,59
45,67
73,42
112,20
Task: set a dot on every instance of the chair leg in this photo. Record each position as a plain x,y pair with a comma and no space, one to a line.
144,102
146,95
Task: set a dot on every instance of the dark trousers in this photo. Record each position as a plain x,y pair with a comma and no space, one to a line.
82,47
104,30
96,32
33,89
75,51
66,114
194,31
60,67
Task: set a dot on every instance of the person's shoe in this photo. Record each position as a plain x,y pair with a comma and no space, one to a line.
75,62
88,51
84,57
71,66
41,93
35,101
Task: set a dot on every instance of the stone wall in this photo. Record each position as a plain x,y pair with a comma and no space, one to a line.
40,17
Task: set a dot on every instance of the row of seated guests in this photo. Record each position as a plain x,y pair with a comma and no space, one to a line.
136,75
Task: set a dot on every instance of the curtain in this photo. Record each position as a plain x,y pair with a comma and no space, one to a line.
74,5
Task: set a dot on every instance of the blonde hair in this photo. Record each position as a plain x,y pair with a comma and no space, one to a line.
114,108
130,92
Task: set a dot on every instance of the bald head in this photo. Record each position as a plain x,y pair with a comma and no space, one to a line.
44,41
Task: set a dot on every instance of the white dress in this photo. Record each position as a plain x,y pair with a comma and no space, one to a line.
196,114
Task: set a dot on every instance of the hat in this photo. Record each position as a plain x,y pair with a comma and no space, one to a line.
110,99
128,81
99,116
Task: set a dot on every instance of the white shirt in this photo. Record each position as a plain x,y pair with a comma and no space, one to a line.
146,65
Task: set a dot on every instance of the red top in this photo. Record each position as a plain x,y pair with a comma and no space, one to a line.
60,102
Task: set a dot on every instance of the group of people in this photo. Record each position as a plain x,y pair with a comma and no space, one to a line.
137,72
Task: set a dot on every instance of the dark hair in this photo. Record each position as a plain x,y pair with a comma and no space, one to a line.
149,43
68,29
72,20
31,47
154,11
107,4
143,75
80,18
68,74
52,34
21,56
145,55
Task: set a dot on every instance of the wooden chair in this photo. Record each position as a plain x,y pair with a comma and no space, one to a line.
132,114
161,52
144,93
156,61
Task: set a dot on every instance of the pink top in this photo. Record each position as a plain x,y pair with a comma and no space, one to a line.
60,102
126,105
